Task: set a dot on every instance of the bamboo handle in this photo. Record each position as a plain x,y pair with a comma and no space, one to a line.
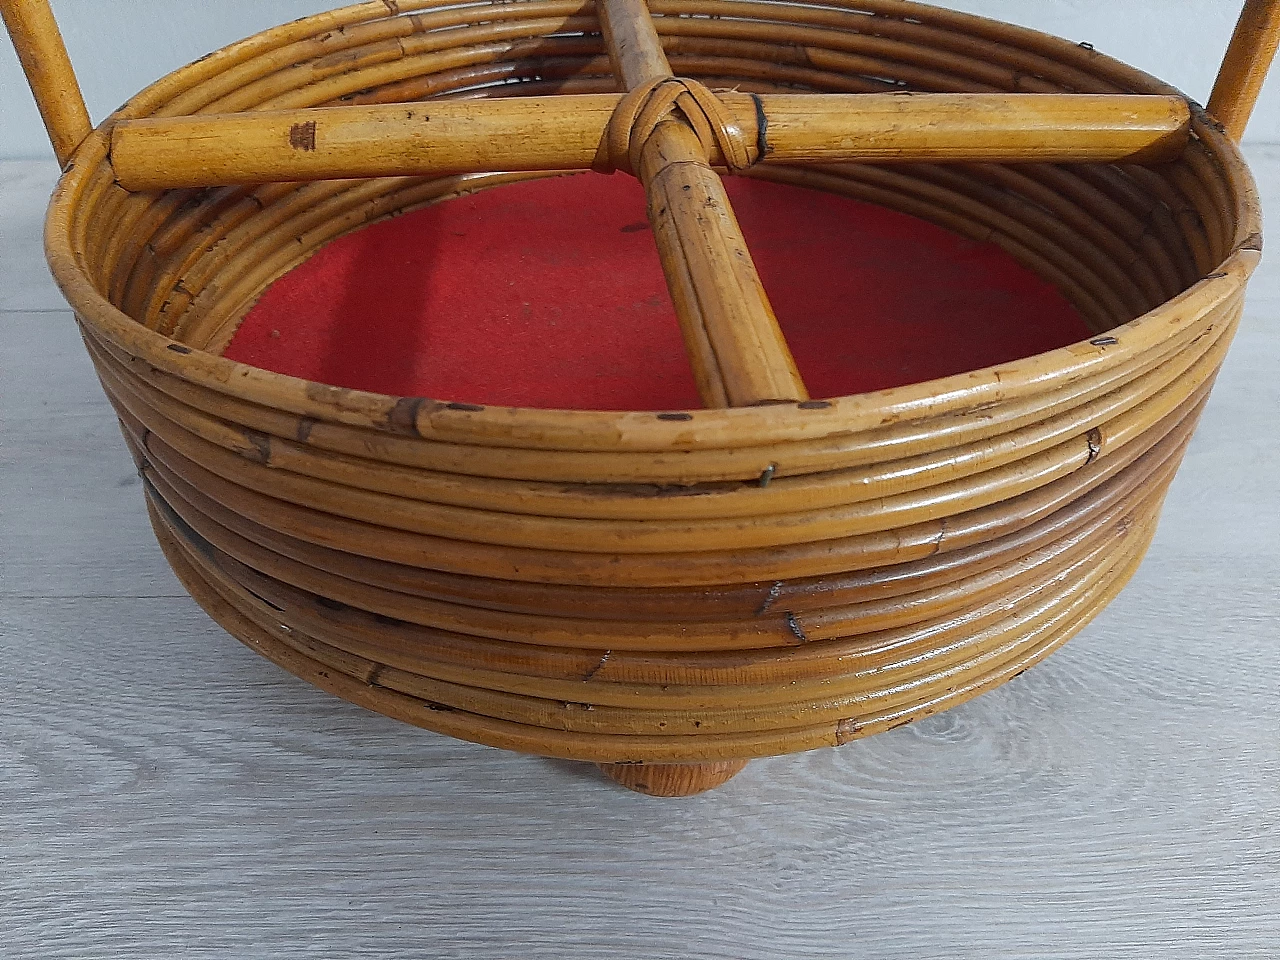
1245,66
736,347
44,60
564,132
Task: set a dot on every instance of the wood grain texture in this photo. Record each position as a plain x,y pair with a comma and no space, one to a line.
166,792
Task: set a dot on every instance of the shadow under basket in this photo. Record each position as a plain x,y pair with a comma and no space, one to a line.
607,573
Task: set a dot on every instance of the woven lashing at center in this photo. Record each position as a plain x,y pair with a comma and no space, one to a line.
649,104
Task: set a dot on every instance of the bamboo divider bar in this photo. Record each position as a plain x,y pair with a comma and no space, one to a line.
44,60
1245,66
739,355
564,133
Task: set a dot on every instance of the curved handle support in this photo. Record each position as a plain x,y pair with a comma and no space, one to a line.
1249,56
44,60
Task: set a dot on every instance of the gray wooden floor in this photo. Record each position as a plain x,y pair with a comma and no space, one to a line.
166,793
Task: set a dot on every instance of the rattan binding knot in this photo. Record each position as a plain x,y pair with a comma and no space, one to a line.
641,110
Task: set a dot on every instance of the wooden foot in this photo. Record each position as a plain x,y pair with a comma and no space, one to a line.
672,779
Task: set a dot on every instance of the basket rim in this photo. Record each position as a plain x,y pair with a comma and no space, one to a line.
590,430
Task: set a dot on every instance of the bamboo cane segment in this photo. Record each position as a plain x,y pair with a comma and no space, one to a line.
743,602
1244,68
44,60
710,568
631,708
564,132
735,344
660,535
961,128
688,678
835,635
827,491
459,136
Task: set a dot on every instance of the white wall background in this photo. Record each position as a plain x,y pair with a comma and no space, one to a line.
119,46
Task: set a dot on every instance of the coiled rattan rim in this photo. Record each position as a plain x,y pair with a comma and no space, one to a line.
675,586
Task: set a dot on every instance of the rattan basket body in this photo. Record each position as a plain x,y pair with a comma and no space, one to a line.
675,587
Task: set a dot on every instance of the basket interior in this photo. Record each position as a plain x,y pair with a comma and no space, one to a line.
549,293
880,275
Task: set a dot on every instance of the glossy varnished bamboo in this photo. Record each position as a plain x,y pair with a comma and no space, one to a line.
564,133
1244,69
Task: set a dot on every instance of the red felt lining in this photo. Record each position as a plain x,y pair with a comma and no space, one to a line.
549,293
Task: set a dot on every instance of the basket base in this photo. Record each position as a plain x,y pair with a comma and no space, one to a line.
549,293
672,779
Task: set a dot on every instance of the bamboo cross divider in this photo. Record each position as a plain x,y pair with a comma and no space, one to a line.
737,350
564,132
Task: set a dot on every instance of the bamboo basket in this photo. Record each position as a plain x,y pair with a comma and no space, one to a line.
666,594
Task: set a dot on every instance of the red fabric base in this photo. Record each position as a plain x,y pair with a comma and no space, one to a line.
549,293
